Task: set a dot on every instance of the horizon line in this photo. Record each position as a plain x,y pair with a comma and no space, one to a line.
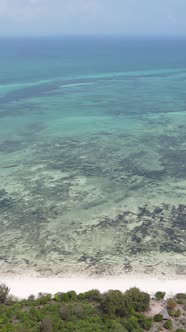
98,35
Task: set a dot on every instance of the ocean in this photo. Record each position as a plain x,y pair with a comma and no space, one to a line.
93,156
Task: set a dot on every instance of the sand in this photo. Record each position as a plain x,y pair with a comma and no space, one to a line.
23,286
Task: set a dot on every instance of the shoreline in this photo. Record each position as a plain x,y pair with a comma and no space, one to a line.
23,286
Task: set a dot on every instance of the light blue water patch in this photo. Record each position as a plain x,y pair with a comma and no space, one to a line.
71,85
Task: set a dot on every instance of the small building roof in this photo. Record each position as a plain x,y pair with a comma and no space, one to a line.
165,314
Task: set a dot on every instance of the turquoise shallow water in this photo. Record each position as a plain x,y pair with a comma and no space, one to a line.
93,155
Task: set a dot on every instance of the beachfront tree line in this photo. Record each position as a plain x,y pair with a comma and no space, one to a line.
91,311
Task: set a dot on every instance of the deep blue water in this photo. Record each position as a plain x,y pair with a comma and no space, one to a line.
31,59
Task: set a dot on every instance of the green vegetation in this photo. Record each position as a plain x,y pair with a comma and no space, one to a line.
171,304
86,312
181,298
160,295
4,291
91,311
174,313
168,325
158,318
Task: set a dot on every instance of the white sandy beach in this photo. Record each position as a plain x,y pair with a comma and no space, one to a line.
22,287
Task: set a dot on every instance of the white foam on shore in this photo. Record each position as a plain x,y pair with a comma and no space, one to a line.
22,287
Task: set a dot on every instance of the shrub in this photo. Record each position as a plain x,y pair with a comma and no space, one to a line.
44,298
181,296
74,311
177,313
77,310
160,295
115,326
131,324
65,297
180,330
168,325
4,291
65,313
114,303
158,318
31,297
71,296
171,304
145,323
140,300
57,297
92,295
46,325
11,299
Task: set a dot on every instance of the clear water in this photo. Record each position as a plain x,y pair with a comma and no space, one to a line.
93,156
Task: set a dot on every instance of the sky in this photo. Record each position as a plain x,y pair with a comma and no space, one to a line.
128,17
